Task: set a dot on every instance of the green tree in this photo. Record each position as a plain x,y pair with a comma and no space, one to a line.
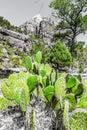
4,23
72,15
60,55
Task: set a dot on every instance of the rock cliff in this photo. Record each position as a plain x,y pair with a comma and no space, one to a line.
40,26
14,46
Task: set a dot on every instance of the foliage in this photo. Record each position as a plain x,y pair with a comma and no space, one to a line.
58,90
59,55
72,21
6,24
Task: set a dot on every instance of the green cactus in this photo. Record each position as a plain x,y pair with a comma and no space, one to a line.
7,89
44,81
78,89
83,101
79,78
32,82
38,57
72,101
41,66
57,89
33,120
20,98
23,99
49,92
41,93
17,94
4,103
75,86
13,77
48,69
65,114
60,86
22,84
53,77
10,84
23,75
78,121
28,63
43,72
71,82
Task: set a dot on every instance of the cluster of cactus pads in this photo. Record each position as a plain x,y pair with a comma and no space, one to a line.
60,91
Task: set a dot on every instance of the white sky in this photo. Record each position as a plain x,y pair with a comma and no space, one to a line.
19,11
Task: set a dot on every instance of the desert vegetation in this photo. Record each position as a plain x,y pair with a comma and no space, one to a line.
46,96
60,92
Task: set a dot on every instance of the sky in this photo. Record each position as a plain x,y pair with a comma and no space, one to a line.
20,11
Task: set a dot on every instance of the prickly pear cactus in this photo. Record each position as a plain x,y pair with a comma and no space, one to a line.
78,121
4,103
60,86
48,69
83,101
40,86
32,82
38,57
49,92
28,63
13,86
20,98
21,84
7,89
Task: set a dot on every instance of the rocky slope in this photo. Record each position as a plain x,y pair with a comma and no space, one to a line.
40,26
14,46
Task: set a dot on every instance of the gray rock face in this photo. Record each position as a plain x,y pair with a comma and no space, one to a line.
21,43
17,40
13,34
36,26
32,25
42,26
